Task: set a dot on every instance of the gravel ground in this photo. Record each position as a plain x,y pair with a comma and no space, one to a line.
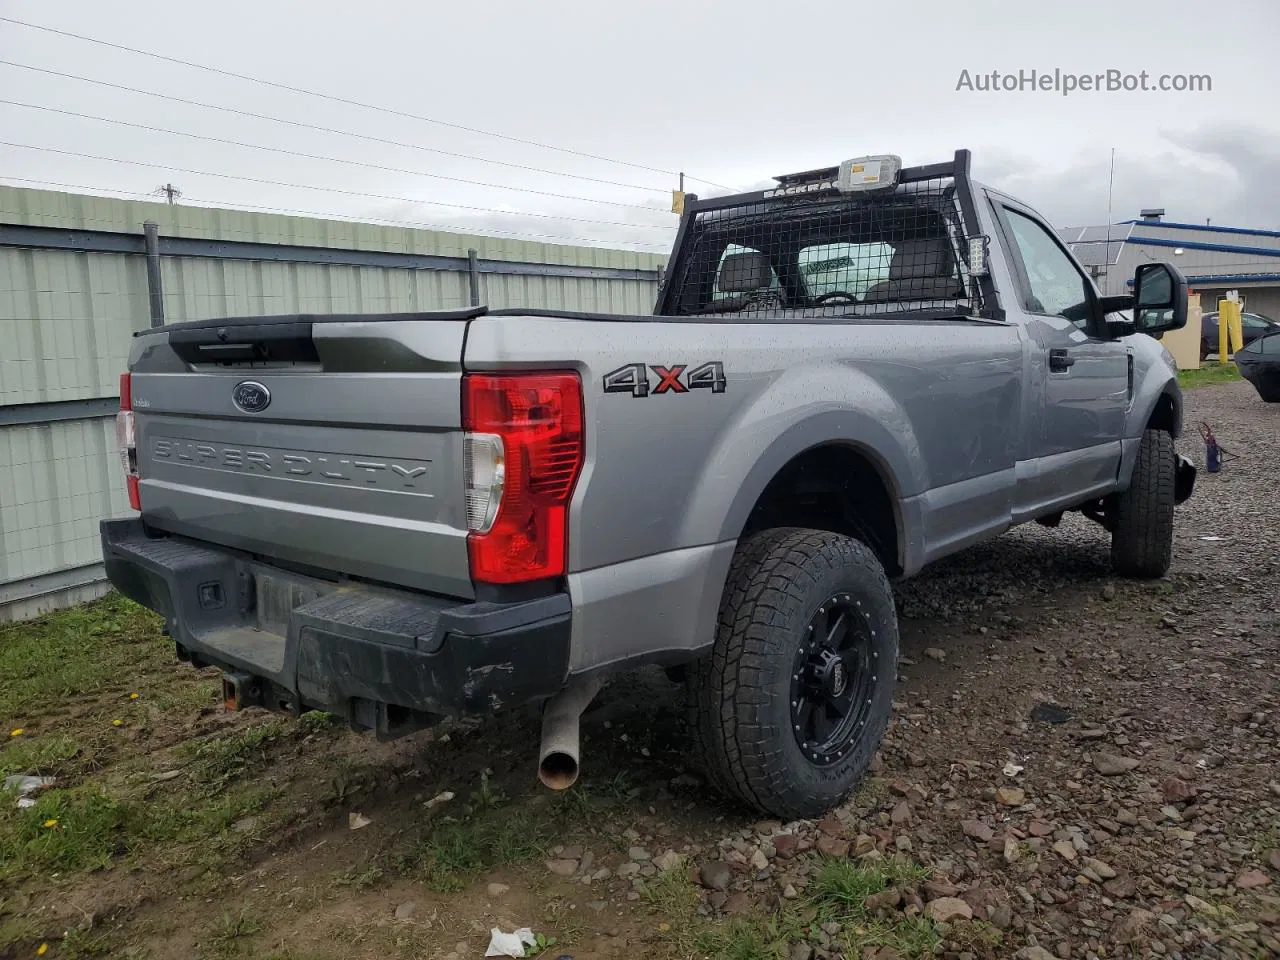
1090,765
1080,767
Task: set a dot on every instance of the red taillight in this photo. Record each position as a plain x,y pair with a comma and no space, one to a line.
524,450
126,440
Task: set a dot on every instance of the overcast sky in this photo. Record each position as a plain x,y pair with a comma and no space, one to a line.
731,92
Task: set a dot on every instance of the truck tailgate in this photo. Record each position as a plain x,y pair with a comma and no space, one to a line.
330,443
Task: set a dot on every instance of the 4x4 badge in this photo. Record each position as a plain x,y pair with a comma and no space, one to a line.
251,396
634,378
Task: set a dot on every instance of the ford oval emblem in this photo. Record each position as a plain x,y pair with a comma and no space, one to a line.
251,396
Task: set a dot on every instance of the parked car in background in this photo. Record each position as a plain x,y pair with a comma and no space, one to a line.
1259,363
1252,326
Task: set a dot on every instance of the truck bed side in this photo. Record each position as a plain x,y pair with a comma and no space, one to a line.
671,476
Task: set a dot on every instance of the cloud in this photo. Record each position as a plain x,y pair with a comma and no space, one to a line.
636,230
1251,159
1229,174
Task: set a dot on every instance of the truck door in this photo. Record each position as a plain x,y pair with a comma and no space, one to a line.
1077,378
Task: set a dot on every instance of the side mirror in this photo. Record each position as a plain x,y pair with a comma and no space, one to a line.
1159,298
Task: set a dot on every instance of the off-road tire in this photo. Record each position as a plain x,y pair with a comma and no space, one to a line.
1142,528
739,696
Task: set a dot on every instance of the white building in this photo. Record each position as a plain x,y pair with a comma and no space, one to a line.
1214,259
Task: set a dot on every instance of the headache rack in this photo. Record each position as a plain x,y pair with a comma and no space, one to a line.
814,247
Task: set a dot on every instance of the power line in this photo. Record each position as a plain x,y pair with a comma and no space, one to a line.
145,194
492,232
312,156
338,190
439,228
349,102
313,126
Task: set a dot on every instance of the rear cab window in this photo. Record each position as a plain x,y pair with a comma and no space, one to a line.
825,256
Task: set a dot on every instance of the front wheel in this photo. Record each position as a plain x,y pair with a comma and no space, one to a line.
1142,528
793,701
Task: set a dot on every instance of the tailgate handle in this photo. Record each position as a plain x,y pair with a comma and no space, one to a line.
241,342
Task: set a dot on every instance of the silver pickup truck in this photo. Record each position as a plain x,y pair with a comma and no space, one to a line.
404,517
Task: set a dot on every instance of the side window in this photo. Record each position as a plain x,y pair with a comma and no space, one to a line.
1056,285
1253,322
742,271
1268,345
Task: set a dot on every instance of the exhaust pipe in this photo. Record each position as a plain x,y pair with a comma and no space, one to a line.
558,758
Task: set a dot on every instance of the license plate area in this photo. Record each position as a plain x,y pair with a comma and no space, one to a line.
276,596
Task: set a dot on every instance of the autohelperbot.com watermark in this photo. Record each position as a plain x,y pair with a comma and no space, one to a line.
1065,83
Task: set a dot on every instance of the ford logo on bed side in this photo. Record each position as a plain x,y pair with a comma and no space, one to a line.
251,396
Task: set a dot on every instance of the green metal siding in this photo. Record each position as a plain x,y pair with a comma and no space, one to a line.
72,211
65,322
57,481
66,318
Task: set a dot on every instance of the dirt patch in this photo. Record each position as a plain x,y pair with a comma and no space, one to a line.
1077,767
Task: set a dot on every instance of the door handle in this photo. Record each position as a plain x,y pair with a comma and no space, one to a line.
1060,360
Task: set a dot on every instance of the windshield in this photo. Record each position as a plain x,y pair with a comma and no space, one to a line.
853,267
835,256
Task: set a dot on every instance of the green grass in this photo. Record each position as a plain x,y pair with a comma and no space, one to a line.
736,940
671,894
1211,372
360,879
86,945
199,692
842,885
64,679
836,894
589,802
317,721
487,832
227,936
56,755
456,851
98,648
85,828
221,759
67,830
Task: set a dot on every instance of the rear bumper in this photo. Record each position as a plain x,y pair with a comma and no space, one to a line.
383,658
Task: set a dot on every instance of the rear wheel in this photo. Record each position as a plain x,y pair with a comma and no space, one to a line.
793,702
1142,528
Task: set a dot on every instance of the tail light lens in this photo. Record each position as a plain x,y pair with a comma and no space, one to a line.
126,440
524,450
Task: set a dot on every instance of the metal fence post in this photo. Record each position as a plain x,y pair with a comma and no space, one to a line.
473,275
155,281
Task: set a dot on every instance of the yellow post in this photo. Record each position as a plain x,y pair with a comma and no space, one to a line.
1224,312
1237,328
1229,334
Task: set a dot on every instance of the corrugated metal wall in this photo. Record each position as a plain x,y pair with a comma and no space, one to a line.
68,305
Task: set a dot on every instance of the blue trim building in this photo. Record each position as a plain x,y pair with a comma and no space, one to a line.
1214,259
